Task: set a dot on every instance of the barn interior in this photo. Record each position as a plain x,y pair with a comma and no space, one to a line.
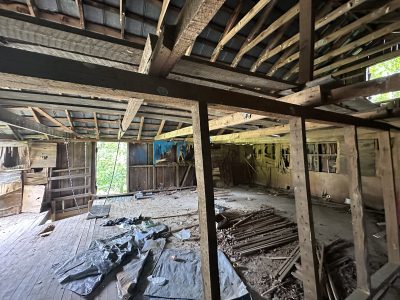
199,149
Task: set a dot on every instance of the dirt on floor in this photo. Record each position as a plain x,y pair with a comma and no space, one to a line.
178,210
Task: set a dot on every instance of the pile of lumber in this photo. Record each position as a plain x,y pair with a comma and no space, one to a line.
258,231
336,271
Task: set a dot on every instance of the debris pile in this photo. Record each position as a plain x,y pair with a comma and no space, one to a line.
258,231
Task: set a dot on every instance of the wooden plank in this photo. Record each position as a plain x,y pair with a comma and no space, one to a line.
53,120
32,198
318,24
175,40
205,191
81,13
21,122
36,117
139,136
96,125
33,10
306,44
162,16
131,111
278,23
389,197
68,115
40,72
43,155
243,22
357,210
160,129
222,122
305,223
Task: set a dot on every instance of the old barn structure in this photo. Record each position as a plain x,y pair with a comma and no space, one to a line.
238,104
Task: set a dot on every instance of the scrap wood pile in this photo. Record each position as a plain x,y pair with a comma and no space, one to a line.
257,231
336,271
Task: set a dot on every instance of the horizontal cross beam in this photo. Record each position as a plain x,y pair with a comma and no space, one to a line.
23,69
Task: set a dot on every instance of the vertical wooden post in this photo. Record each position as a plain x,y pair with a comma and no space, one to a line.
205,190
396,169
177,179
305,224
93,169
357,209
389,197
306,44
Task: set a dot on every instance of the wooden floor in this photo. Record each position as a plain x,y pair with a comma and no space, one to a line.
26,258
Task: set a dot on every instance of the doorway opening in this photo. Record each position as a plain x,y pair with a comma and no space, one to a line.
105,159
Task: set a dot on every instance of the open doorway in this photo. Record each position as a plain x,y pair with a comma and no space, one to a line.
105,159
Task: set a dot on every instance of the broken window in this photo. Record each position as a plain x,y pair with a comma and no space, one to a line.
322,157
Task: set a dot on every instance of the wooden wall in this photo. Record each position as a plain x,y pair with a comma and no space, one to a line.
273,171
145,174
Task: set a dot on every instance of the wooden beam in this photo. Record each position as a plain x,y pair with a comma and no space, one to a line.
33,10
278,131
81,13
131,111
357,210
205,191
304,216
357,43
161,127
389,197
139,136
15,132
175,40
396,169
367,63
255,30
36,118
37,72
53,120
243,22
354,58
162,16
222,122
122,17
231,22
96,125
375,14
68,115
306,44
21,122
318,24
282,20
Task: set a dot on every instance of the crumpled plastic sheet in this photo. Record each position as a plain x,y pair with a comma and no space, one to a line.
182,271
82,273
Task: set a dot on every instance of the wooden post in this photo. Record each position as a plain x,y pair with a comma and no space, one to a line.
205,190
389,197
396,169
305,224
357,209
93,189
306,44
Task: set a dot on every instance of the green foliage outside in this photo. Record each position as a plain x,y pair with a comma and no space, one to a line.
383,69
106,153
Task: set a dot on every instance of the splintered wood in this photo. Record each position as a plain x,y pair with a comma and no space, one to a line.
259,231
